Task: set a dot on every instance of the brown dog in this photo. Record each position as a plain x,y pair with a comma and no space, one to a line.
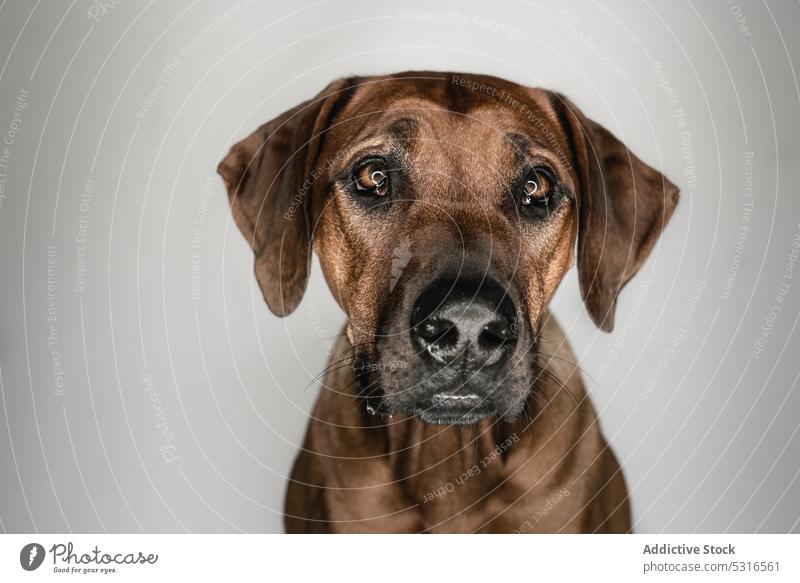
445,210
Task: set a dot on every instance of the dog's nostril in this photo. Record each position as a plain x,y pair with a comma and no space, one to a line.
440,332
495,335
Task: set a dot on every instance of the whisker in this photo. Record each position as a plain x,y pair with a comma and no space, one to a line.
334,366
550,376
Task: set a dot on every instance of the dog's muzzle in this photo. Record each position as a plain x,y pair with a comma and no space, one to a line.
463,334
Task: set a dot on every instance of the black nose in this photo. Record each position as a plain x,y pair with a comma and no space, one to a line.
463,322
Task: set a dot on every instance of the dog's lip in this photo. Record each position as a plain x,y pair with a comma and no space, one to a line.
447,400
454,409
459,416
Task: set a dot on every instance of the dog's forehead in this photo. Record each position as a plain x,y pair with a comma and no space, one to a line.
477,110
487,101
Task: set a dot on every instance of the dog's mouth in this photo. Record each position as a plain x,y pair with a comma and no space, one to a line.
441,409
449,409
432,404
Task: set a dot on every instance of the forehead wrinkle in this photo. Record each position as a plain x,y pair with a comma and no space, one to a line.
403,130
505,121
387,133
521,146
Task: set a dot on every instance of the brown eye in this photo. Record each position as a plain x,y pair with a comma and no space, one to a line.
536,189
373,177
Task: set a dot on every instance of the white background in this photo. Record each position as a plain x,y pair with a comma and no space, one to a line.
707,433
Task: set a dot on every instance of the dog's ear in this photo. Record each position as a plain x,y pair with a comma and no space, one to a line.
623,205
267,175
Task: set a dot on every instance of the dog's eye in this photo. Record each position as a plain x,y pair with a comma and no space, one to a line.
536,190
372,176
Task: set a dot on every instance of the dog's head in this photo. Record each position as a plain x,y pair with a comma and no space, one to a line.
445,210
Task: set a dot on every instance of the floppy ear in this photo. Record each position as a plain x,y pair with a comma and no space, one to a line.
623,205
269,192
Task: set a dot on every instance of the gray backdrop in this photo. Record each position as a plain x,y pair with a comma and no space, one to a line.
145,386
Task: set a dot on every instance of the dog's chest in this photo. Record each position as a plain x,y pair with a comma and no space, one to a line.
451,473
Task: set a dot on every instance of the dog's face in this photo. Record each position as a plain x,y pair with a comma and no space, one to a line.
445,210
